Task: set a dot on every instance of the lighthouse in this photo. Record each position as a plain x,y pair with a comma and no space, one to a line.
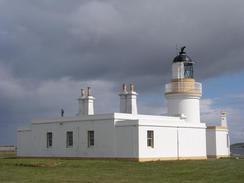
180,135
183,93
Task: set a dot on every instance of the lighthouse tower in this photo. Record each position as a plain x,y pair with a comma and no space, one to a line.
183,93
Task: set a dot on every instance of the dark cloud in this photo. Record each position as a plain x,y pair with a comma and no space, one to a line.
109,41
100,39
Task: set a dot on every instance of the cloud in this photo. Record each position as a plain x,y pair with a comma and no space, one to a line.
210,114
110,40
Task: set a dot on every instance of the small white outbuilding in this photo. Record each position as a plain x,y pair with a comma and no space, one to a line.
129,135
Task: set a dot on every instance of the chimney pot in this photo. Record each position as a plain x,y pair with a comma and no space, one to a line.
83,93
132,87
89,91
124,88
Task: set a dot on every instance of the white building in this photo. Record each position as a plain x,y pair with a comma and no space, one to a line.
129,135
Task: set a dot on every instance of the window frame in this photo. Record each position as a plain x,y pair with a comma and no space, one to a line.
69,139
49,139
91,138
150,138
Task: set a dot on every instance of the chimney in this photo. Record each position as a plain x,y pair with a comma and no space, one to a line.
131,100
128,102
224,119
123,94
86,103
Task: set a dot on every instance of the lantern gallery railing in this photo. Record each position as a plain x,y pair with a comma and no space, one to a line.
184,87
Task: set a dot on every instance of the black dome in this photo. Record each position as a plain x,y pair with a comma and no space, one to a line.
182,57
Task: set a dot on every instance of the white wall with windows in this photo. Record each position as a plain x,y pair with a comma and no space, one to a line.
164,145
140,137
173,141
69,138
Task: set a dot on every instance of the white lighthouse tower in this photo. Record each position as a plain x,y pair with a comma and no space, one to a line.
183,93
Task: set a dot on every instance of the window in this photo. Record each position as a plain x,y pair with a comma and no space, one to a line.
90,138
150,138
49,139
188,70
69,139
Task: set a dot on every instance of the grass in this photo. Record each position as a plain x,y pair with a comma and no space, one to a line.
105,171
7,154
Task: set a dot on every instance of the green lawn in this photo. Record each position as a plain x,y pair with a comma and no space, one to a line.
7,154
101,171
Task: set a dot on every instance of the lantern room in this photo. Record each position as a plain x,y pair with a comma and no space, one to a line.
182,67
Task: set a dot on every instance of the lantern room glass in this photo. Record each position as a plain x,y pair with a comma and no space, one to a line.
188,70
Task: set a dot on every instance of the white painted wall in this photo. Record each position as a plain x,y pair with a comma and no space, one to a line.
165,142
110,141
122,136
126,144
24,143
184,104
192,142
222,145
218,143
104,139
211,142
173,141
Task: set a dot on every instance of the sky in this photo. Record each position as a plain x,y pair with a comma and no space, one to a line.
50,49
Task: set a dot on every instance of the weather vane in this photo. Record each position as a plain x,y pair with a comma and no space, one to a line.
182,50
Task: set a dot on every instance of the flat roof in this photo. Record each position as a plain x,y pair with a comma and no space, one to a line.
113,116
123,119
